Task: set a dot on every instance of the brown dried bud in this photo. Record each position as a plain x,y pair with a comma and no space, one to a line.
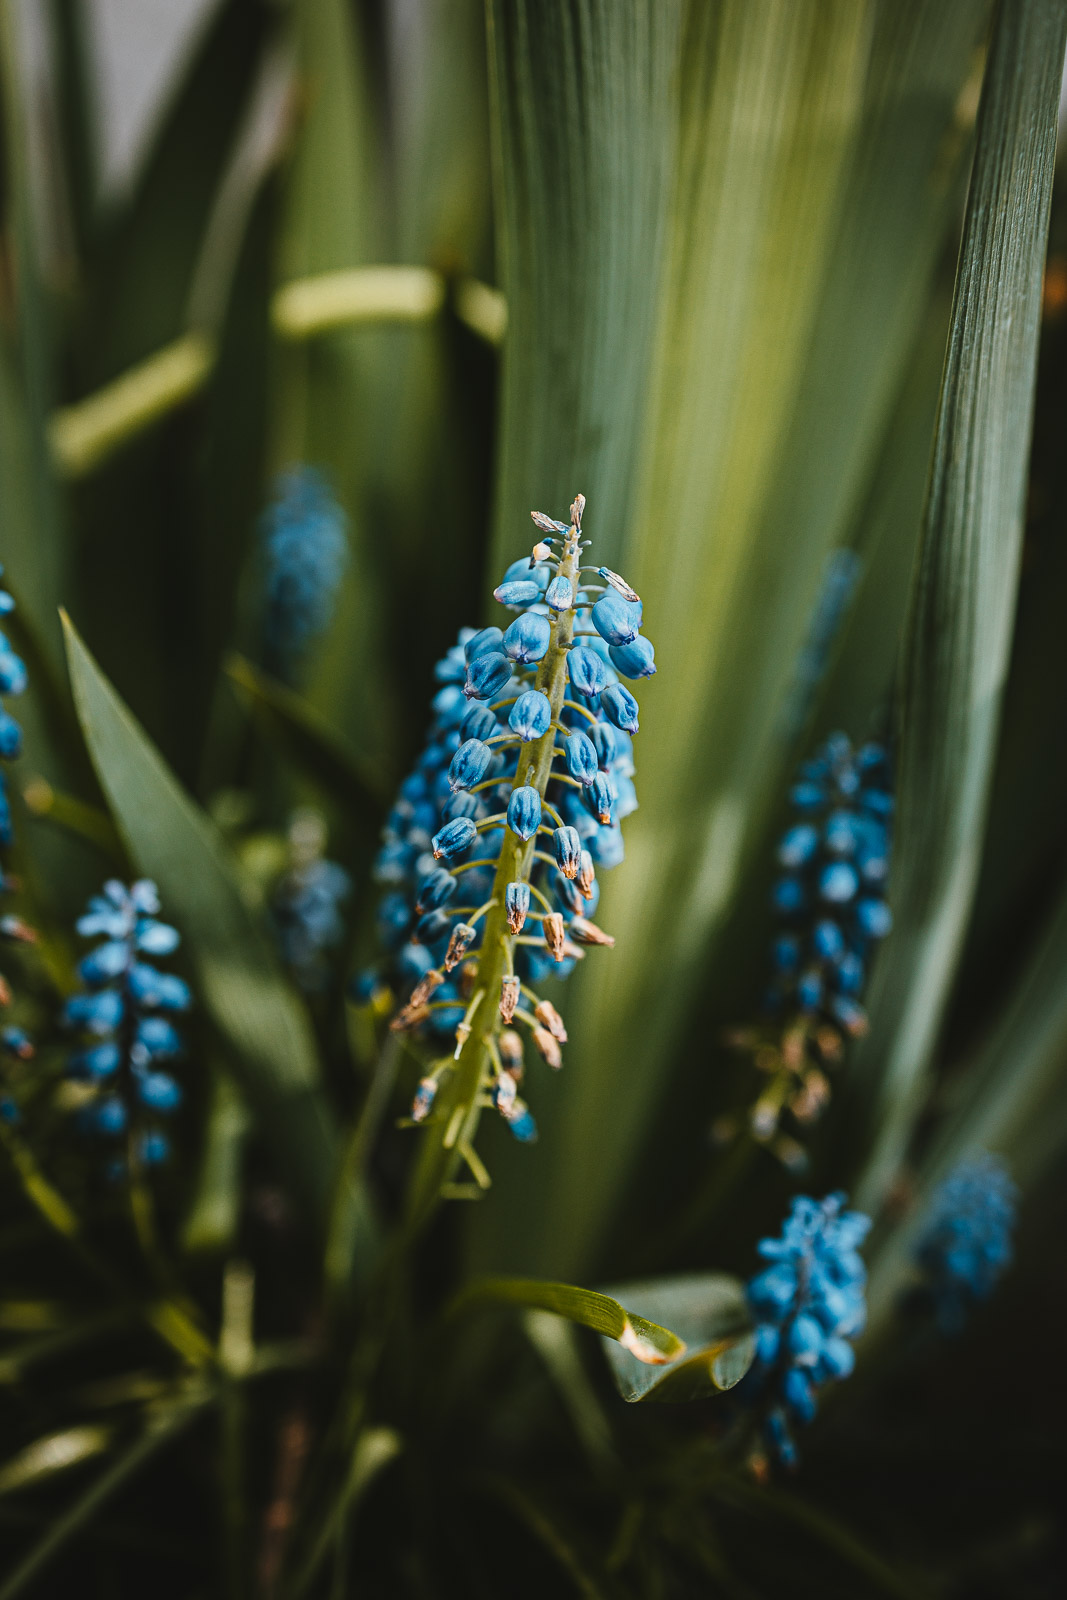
5,992
829,1044
515,912
425,987
620,585
545,523
793,1156
813,1096
409,1017
548,1047
463,1033
468,976
540,551
506,1093
14,928
793,1042
510,1044
586,876
577,510
554,932
509,997
549,1017
572,952
462,939
587,932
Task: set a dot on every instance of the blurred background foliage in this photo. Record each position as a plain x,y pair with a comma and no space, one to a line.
697,261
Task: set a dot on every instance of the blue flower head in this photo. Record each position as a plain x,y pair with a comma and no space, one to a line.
13,681
306,551
307,900
808,1304
123,1015
495,838
966,1238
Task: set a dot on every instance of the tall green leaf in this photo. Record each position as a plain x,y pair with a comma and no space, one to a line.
171,840
959,630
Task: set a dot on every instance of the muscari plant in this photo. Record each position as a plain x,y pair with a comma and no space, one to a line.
282,1322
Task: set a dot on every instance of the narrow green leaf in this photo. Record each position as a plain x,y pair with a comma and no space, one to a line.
711,1315
172,841
214,1215
959,631
54,1453
646,1342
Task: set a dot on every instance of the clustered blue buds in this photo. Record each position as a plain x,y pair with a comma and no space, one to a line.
474,785
306,550
306,902
966,1238
831,897
12,681
124,1015
807,1305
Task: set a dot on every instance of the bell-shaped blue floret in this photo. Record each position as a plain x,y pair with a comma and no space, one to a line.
616,620
469,765
560,593
849,974
788,895
153,1148
160,989
806,1340
524,811
487,675
432,927
828,940
485,641
105,962
158,1038
159,1092
516,904
528,638
413,962
10,736
100,1061
799,1395
156,938
600,796
523,1126
567,849
581,757
517,592
587,671
607,741
772,1292
436,889
96,1013
634,660
785,953
478,723
838,882
874,918
110,1116
455,837
809,990
531,715
841,833
798,845
13,677
620,707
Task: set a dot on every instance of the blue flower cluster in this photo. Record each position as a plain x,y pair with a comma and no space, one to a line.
966,1238
306,902
831,897
808,1304
124,1016
472,783
12,681
306,551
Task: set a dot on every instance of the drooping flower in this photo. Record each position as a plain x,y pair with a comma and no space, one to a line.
966,1239
123,1015
808,1304
306,902
305,550
490,853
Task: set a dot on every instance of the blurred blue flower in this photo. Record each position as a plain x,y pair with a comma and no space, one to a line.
13,681
305,550
306,902
807,1306
966,1238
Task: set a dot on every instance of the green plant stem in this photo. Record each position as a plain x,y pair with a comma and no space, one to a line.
338,1258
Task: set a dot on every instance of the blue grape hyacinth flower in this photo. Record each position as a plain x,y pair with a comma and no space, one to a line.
808,1305
305,550
495,839
966,1239
13,680
124,1017
306,902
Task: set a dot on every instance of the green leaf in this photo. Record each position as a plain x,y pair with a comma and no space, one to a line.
958,640
646,1342
237,973
710,1313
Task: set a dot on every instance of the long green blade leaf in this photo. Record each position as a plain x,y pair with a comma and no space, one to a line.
708,1309
647,1342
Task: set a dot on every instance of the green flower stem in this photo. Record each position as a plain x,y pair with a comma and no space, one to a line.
454,1130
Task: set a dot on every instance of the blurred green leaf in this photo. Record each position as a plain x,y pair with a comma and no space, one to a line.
172,841
709,1312
54,1453
646,1342
215,1213
958,640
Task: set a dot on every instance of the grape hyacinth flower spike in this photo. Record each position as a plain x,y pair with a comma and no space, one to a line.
305,550
124,1016
306,902
491,851
831,911
15,1043
808,1304
965,1243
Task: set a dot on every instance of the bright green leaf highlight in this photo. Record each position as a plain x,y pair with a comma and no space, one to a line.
709,1312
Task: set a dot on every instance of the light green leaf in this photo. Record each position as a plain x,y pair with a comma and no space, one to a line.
237,973
958,639
709,1312
645,1341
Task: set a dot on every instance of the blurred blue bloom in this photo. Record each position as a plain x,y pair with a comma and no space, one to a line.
306,902
12,681
807,1305
306,551
966,1238
125,1039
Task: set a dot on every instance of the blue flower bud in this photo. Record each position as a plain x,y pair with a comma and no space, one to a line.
567,848
10,736
785,953
517,592
828,940
105,962
874,918
771,1293
528,637
517,905
431,927
531,715
581,757
157,1038
109,1117
620,707
607,742
840,833
807,796
525,568
156,938
806,1340
524,811
414,961
459,805
159,1091
453,839
96,1013
635,660
486,640
849,974
13,678
586,670
798,845
809,990
599,797
435,890
838,882
487,675
615,619
851,1016
522,1124
469,765
153,1148
560,593
799,1395
99,1062
478,723
838,1358
787,895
